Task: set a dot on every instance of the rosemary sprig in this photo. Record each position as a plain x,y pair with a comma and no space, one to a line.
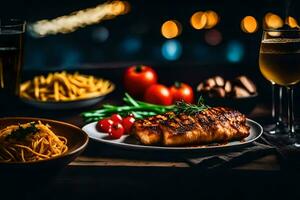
191,109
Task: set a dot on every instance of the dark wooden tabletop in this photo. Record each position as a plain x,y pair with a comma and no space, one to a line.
103,170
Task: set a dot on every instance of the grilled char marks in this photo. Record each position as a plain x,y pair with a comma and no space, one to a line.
225,124
217,124
147,131
179,124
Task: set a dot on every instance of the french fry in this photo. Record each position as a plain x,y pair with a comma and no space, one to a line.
42,80
36,87
62,90
43,97
56,91
25,95
25,86
49,78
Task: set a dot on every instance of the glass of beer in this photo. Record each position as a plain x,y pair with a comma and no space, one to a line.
11,56
279,62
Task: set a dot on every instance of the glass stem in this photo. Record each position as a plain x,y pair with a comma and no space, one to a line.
291,111
273,102
279,117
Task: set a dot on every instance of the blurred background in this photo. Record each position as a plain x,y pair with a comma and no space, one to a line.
207,32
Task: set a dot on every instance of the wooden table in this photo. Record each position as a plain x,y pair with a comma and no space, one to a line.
116,173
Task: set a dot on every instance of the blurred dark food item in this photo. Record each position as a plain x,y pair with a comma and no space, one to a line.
210,82
217,92
217,86
246,83
239,93
219,81
228,87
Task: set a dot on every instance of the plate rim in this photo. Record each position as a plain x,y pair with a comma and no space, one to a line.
162,148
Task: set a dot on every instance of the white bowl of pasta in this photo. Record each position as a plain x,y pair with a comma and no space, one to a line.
42,143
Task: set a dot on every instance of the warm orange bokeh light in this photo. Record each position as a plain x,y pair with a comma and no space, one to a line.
249,24
292,22
171,29
212,19
273,21
198,20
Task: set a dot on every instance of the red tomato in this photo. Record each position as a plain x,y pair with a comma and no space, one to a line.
127,123
182,92
116,118
117,130
158,94
104,125
138,78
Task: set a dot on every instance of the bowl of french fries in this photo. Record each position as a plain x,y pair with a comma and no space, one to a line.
62,90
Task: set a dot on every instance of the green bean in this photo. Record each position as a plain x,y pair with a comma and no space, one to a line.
131,100
138,108
108,106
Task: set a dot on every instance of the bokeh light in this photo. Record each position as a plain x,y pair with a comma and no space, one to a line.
100,34
204,20
292,22
212,19
171,29
273,21
235,51
79,19
213,37
171,49
249,24
131,45
198,20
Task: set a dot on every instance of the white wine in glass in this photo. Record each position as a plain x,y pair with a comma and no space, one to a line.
279,62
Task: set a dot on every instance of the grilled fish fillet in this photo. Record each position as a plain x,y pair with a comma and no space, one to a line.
217,124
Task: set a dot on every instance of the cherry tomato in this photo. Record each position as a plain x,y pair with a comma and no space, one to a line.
116,131
104,125
138,78
158,94
127,123
182,92
130,115
116,118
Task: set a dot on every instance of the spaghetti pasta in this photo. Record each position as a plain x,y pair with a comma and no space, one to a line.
30,142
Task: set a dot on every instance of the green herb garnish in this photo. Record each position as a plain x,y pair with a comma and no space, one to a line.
191,109
22,133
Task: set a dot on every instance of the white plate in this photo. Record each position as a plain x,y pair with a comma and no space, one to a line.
130,142
63,104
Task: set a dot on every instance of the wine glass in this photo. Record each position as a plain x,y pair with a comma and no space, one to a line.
279,62
277,127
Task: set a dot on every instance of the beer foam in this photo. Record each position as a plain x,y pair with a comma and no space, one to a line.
281,40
